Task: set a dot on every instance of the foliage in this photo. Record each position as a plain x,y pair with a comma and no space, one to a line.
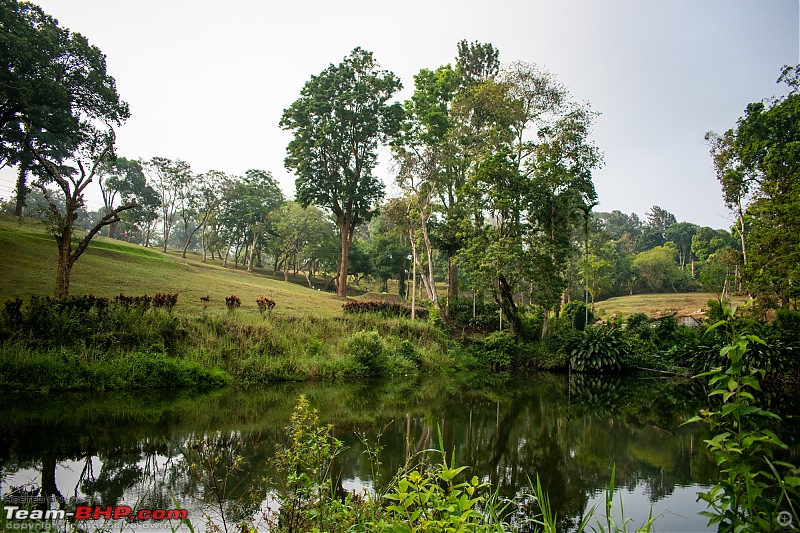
369,352
53,83
597,349
429,499
757,165
752,490
233,303
166,301
577,314
657,267
486,317
338,121
497,351
387,309
306,485
776,356
265,304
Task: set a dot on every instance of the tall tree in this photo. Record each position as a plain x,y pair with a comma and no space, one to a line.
338,122
51,79
681,233
261,195
119,180
171,180
758,162
94,148
530,173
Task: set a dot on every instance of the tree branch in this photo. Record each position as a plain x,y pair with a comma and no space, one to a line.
109,218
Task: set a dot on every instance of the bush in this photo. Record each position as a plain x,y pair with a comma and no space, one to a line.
460,313
387,309
265,305
639,324
597,349
577,314
368,350
498,351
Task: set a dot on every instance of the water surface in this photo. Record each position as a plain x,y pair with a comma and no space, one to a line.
135,449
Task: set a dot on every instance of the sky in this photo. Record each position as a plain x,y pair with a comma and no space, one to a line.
207,81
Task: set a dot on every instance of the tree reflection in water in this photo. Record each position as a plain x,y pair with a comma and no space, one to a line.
137,449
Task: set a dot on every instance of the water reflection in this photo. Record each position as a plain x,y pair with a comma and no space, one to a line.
137,449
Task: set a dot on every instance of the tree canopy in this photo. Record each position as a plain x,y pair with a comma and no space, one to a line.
52,81
338,122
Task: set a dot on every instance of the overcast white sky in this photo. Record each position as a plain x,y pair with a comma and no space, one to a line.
207,81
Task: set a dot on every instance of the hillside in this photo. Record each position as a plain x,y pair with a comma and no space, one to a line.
683,304
110,267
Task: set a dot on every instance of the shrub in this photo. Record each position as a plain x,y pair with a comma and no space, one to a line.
368,350
233,303
167,301
486,315
265,304
406,350
141,303
597,349
304,468
387,309
435,318
639,324
577,314
499,350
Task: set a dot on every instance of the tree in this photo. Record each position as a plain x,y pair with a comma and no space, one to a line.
657,268
681,233
758,163
304,235
338,121
261,195
389,252
51,81
530,162
119,178
93,149
171,180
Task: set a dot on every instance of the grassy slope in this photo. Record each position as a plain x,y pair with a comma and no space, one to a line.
654,304
109,267
27,263
307,336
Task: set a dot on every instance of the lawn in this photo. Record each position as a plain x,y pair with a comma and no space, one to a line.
683,304
110,267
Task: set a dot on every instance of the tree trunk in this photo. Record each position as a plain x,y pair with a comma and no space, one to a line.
452,277
741,233
166,236
64,265
252,251
344,227
22,189
430,286
508,307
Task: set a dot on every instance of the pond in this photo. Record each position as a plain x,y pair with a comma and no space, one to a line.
133,449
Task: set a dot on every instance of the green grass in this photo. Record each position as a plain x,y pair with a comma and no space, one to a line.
110,267
654,304
306,337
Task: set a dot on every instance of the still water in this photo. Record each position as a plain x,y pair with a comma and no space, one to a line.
133,449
